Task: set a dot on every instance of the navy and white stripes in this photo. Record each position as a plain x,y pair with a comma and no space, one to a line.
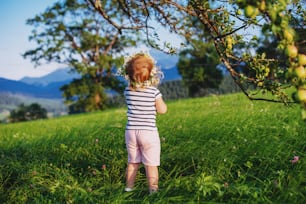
141,111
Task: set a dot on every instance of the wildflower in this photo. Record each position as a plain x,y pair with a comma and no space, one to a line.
295,159
97,140
103,167
94,172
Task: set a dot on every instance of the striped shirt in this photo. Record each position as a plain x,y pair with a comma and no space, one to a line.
141,111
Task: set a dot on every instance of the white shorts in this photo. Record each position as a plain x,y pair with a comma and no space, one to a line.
143,146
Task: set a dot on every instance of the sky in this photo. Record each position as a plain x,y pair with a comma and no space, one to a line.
14,35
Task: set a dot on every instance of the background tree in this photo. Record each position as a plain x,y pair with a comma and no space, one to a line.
26,113
198,62
70,32
198,68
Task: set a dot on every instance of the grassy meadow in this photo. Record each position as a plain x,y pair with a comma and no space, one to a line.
218,149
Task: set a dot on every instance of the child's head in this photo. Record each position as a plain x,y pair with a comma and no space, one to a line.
141,71
139,68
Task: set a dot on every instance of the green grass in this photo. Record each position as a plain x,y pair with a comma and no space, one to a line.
219,149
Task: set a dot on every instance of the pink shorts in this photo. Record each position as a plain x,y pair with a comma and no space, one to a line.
143,146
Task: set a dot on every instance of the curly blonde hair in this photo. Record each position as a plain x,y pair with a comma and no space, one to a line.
141,71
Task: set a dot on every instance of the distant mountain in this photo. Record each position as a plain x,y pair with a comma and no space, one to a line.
171,74
165,61
48,86
58,75
17,87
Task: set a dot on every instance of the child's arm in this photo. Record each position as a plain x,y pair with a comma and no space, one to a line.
161,106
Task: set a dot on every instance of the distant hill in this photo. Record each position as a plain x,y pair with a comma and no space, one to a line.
171,74
62,76
165,61
48,86
58,75
17,87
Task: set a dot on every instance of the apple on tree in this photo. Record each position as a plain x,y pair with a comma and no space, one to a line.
300,72
301,94
302,59
251,11
289,34
291,51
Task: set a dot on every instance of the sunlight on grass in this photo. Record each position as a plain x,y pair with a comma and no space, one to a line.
214,149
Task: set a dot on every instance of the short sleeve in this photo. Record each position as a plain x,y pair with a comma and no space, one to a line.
157,94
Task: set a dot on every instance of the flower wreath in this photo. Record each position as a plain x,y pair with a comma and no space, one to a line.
156,74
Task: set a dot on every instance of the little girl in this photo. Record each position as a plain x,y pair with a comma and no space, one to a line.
143,100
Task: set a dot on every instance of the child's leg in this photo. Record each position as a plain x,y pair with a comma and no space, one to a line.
131,173
152,176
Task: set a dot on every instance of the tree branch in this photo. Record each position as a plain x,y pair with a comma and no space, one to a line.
75,46
230,33
109,47
110,21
